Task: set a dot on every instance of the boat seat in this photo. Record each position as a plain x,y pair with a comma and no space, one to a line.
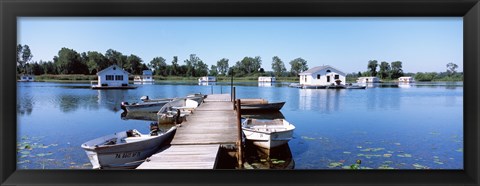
135,139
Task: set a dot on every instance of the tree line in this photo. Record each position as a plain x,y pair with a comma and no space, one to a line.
393,70
69,61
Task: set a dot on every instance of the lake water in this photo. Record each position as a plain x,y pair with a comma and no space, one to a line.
385,126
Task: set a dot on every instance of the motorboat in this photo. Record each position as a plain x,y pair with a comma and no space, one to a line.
125,149
268,133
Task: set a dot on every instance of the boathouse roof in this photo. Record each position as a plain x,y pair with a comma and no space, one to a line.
316,69
114,67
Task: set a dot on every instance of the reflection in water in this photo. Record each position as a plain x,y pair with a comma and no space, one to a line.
25,104
145,116
276,158
265,84
262,114
323,100
111,99
387,98
69,103
405,85
206,83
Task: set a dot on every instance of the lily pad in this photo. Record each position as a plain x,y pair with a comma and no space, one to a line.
398,144
385,167
346,152
24,161
404,155
418,166
459,150
335,164
307,138
41,155
25,152
359,147
372,149
387,155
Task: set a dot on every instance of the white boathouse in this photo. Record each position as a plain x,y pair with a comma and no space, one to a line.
146,77
406,80
322,76
112,77
368,80
207,79
266,79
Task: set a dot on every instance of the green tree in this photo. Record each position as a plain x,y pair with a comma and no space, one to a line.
247,65
451,69
213,70
24,55
69,61
372,67
384,70
174,67
37,69
96,62
298,65
159,65
277,66
20,63
222,66
396,70
115,57
134,64
201,69
195,65
49,67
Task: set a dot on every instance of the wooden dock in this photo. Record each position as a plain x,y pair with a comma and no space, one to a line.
198,139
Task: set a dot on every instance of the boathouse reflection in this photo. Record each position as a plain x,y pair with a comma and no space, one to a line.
323,100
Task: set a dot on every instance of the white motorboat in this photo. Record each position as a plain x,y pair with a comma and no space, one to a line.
125,149
268,133
175,111
144,106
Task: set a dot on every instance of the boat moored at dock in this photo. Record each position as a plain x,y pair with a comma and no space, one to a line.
268,133
125,149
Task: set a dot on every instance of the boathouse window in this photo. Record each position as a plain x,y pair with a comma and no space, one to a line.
337,76
328,78
109,77
328,71
119,77
318,76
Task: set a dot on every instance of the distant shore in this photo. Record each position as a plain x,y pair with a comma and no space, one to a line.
79,78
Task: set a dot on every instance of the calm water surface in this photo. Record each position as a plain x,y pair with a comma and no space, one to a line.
386,126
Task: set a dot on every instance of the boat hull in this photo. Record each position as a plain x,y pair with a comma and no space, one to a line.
267,106
268,140
145,107
268,134
125,155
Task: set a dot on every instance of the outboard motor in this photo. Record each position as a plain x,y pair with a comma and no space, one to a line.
154,129
144,98
122,106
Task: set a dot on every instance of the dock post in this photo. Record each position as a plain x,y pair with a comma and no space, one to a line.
234,98
239,137
212,88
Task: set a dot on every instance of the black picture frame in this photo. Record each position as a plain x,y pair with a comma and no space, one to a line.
468,9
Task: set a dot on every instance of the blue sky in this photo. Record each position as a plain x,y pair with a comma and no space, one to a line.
422,44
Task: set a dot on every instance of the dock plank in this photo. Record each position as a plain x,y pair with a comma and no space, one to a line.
198,139
184,157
